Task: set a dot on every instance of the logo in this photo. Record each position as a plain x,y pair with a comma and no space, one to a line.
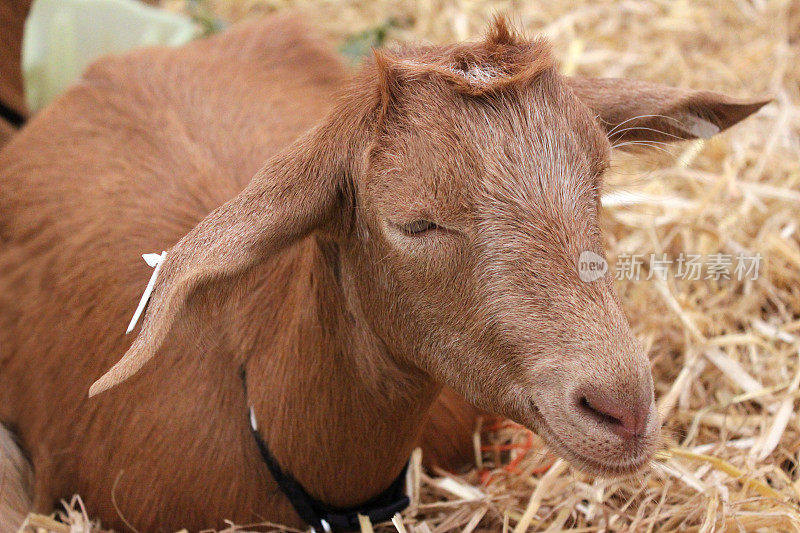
591,266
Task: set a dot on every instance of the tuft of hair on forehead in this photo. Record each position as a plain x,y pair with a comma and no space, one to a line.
500,32
502,59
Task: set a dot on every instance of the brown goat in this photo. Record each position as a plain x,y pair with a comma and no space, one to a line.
420,230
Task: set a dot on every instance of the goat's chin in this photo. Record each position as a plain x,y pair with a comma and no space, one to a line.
535,420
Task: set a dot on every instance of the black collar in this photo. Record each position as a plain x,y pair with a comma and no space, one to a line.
322,517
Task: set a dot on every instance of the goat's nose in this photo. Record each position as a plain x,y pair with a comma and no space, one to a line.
628,419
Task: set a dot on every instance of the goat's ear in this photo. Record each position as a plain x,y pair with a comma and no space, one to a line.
295,193
637,112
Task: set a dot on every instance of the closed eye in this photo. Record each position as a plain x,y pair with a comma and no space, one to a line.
417,227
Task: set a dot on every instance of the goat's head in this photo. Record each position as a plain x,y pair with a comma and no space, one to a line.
463,184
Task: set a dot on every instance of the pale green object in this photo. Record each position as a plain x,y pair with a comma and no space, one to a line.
62,37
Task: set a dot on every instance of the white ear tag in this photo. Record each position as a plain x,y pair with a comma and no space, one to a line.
153,261
253,422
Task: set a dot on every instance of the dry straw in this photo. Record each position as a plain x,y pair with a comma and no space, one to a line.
724,353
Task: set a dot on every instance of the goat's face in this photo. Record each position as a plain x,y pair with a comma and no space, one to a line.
472,215
476,191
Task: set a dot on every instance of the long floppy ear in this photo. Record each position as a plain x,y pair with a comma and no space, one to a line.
638,112
296,192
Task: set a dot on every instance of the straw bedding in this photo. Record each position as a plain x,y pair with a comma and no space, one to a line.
725,352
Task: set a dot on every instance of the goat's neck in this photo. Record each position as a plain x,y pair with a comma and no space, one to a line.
336,411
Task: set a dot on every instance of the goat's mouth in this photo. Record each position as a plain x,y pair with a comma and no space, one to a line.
592,465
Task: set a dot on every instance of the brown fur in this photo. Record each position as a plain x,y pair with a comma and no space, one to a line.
347,327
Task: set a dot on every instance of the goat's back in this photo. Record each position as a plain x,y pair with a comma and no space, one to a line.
126,162
136,153
151,138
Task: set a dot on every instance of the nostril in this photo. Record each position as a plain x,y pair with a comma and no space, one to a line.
600,416
626,421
